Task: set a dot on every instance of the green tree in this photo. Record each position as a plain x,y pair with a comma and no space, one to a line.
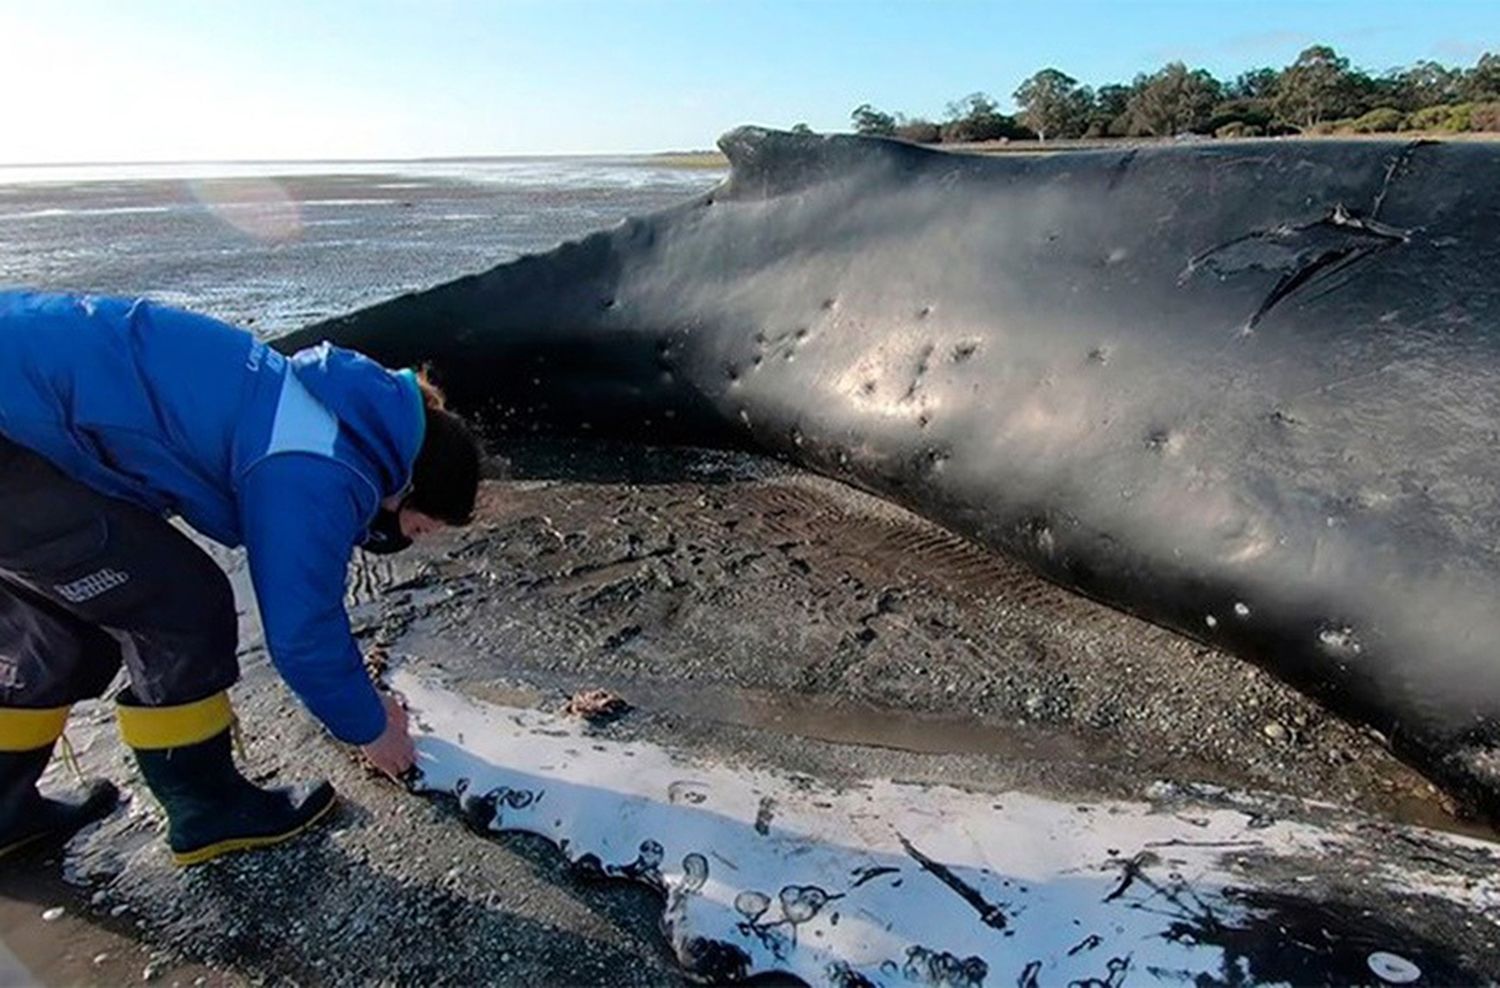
1485,116
1318,86
1174,100
1053,105
1256,84
1422,85
1381,120
801,128
1482,82
1108,115
977,117
870,121
1452,119
1252,115
918,130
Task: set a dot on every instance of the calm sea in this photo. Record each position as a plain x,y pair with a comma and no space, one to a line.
274,246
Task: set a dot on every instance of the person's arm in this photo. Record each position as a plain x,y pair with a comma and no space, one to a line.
300,515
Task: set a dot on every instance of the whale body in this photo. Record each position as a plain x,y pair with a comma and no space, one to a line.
1249,391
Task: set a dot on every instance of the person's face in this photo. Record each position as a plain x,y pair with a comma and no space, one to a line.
414,524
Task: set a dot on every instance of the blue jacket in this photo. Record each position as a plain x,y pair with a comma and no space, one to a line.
187,416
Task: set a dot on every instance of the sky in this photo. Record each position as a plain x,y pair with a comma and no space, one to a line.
184,80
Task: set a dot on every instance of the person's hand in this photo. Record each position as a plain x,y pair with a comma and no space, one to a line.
393,752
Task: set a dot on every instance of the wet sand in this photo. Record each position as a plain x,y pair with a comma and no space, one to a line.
736,590
753,614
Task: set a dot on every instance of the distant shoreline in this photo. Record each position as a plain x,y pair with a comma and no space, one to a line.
705,160
689,159
716,159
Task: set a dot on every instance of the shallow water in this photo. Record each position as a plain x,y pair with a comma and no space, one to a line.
273,246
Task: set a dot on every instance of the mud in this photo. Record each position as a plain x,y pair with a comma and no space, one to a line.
733,590
751,613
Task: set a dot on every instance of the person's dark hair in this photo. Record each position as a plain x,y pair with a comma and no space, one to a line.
445,478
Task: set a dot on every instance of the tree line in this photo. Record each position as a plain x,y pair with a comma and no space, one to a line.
1319,93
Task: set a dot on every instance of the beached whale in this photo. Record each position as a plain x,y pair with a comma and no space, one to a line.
1250,391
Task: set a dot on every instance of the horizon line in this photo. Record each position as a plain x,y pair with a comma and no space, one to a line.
342,160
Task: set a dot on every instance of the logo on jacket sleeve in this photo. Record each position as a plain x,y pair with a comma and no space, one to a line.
91,586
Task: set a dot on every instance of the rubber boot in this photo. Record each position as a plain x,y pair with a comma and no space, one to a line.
28,820
186,757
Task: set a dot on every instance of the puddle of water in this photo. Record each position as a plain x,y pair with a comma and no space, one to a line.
808,717
819,718
814,719
77,947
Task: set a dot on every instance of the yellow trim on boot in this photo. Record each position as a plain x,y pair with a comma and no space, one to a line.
233,844
155,728
27,729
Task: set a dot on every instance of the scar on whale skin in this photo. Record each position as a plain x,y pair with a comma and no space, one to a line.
1302,253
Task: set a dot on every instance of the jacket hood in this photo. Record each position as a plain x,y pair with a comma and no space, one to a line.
380,411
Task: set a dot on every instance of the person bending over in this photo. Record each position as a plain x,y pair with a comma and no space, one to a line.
117,415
